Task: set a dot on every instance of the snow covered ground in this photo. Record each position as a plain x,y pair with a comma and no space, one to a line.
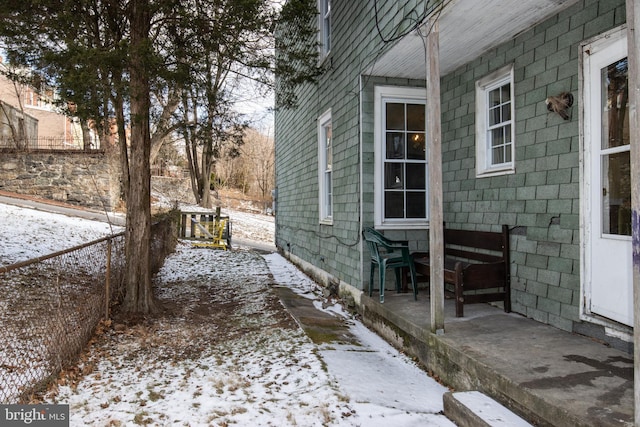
30,233
224,351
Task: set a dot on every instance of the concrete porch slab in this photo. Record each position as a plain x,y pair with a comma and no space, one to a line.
548,376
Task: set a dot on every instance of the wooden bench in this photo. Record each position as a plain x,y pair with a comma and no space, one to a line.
476,265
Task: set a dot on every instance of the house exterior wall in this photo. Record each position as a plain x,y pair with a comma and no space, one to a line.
540,201
336,249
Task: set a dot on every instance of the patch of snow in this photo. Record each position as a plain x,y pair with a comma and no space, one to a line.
250,365
30,233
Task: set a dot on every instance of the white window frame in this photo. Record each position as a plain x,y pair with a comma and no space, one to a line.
382,95
325,168
324,28
484,166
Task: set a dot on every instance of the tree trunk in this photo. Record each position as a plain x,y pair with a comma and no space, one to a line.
122,138
163,128
191,145
139,293
206,201
86,135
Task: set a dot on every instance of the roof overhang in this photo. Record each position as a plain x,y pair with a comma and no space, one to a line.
468,29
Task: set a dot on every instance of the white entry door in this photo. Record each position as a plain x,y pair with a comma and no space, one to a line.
608,264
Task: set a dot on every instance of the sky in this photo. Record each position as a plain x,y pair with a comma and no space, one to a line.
177,371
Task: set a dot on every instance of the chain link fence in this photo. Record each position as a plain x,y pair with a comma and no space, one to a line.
51,305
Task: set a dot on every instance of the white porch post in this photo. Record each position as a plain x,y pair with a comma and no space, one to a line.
633,18
434,159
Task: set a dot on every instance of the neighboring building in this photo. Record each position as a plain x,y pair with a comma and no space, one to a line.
353,153
54,129
16,127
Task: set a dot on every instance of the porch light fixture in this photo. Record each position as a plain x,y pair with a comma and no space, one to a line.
560,104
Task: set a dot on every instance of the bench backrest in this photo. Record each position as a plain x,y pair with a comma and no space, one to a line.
484,246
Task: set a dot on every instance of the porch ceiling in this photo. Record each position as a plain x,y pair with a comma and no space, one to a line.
468,28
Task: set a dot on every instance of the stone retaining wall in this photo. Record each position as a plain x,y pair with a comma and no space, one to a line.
80,178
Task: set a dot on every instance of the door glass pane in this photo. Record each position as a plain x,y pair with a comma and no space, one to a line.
615,112
616,194
615,172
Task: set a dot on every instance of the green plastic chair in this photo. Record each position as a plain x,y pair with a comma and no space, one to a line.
386,253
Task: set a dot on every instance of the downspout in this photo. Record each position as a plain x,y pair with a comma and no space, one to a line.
361,198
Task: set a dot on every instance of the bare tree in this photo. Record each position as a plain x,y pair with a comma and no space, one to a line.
258,153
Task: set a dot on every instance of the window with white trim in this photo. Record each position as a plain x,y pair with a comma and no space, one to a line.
495,130
324,22
325,167
401,190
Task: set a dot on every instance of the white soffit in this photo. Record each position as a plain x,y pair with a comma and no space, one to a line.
468,28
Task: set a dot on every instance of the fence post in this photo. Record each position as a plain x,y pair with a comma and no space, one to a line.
107,283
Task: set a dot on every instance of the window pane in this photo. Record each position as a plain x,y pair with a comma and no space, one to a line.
494,119
326,25
327,196
507,153
416,146
616,194
497,156
404,158
506,112
415,117
497,137
416,204
416,176
615,112
393,204
494,116
395,145
394,175
329,146
394,116
505,93
494,98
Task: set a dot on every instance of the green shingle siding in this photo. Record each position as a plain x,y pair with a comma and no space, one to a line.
543,194
539,201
